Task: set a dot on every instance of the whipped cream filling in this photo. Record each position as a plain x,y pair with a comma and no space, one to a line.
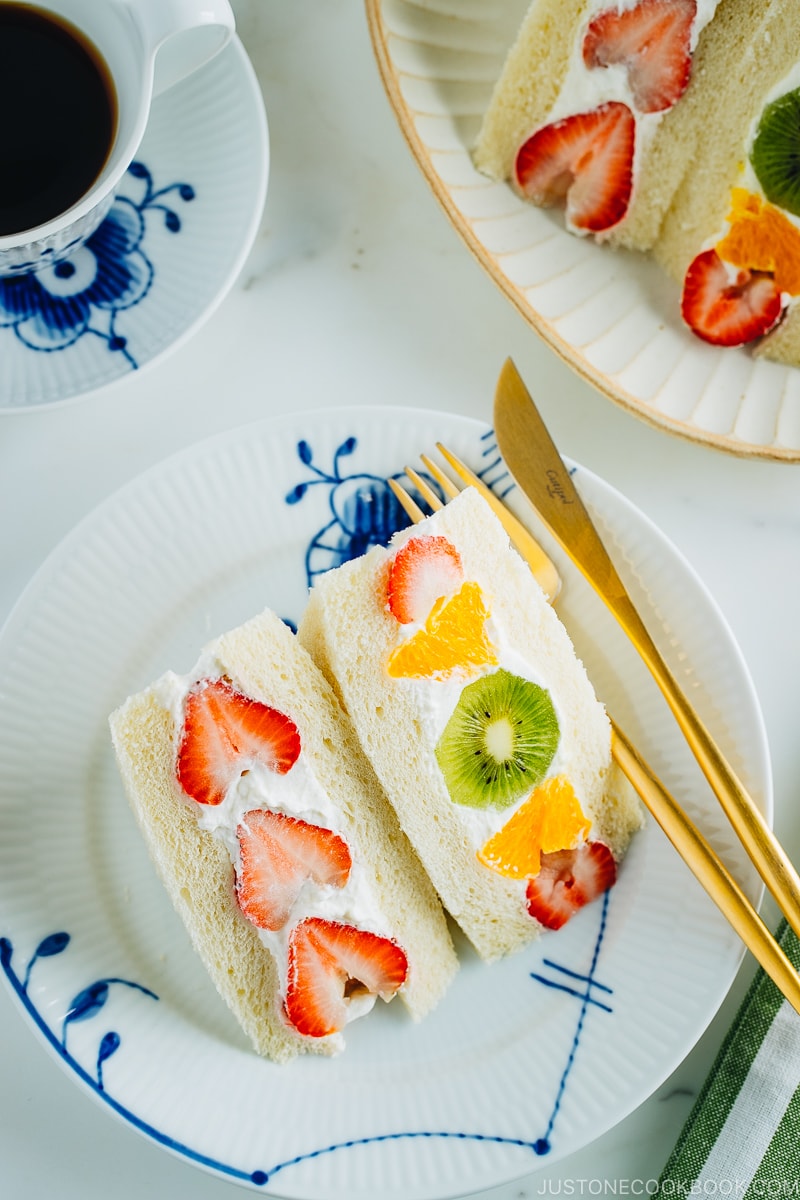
435,700
297,793
585,88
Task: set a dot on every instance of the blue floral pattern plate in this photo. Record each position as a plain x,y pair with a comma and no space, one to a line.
180,228
524,1061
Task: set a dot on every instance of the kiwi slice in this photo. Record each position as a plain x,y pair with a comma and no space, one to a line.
776,152
499,741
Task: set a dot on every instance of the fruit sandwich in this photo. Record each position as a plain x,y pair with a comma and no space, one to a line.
671,127
481,723
276,844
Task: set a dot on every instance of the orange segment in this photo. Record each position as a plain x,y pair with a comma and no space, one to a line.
550,819
761,238
453,637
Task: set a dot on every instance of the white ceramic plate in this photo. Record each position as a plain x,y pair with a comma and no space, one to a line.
524,1061
614,317
176,238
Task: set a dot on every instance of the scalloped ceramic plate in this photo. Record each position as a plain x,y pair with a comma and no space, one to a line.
177,236
524,1061
614,317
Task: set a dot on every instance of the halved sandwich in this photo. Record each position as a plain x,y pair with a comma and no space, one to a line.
480,722
277,845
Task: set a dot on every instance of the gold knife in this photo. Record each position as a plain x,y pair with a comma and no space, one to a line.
536,465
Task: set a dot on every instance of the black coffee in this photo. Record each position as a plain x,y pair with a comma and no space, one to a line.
58,116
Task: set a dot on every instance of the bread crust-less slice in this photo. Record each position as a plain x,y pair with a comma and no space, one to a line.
350,632
264,660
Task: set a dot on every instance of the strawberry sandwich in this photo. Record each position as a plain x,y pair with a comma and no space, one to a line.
276,844
480,722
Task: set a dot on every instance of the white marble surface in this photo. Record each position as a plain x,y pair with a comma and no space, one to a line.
358,291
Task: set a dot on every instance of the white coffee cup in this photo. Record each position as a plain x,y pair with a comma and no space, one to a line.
147,46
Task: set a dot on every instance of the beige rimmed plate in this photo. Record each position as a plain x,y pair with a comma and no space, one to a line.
613,316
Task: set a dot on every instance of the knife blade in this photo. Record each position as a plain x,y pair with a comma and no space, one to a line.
533,459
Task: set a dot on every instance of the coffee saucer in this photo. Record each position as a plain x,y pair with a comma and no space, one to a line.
174,241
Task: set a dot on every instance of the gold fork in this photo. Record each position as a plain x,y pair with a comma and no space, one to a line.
684,835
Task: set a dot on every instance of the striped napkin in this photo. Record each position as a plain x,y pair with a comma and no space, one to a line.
742,1138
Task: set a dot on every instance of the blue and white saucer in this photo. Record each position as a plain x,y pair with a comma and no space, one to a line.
173,243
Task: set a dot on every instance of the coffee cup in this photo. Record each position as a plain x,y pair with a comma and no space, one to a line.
77,81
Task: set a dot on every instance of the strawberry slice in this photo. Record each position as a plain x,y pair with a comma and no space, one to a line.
278,854
423,570
727,305
329,965
567,880
223,731
585,159
652,41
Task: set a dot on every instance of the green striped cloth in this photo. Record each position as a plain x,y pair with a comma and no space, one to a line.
742,1138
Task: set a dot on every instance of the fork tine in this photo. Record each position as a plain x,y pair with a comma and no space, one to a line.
445,482
411,507
460,468
427,493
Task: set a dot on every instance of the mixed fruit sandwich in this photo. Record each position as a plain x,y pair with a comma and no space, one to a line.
671,127
276,844
480,721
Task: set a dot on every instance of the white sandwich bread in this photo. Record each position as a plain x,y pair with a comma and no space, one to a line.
275,842
481,723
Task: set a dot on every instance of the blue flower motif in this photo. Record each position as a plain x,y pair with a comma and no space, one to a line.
53,308
364,510
87,1004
